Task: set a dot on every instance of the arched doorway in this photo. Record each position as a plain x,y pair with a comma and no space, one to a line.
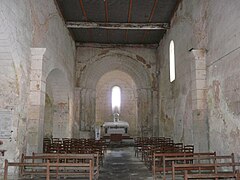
128,110
56,117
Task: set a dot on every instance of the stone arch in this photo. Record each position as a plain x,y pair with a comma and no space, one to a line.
56,117
133,65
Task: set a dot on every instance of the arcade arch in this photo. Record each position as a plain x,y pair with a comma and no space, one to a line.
130,65
56,116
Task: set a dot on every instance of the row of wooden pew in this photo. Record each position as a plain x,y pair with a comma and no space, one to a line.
148,146
62,157
207,165
71,145
56,165
170,160
75,146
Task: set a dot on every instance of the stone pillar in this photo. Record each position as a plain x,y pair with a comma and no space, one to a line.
145,112
77,103
141,112
36,101
199,104
155,108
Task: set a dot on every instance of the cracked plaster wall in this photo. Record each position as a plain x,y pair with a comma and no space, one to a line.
175,98
25,25
138,63
210,25
223,73
56,121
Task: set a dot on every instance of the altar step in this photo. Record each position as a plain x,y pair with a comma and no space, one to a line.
114,140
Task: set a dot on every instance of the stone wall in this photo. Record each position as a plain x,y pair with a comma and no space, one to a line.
177,103
201,105
223,73
37,57
33,42
138,64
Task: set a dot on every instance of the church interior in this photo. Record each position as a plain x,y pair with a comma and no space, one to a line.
110,89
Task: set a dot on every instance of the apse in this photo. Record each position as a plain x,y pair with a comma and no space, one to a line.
116,94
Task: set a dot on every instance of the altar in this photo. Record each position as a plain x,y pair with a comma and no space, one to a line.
119,127
116,130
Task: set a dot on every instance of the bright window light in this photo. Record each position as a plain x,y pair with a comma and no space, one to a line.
116,99
172,61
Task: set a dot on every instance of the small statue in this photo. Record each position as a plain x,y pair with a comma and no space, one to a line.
115,117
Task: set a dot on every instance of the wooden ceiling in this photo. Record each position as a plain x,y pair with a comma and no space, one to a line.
119,22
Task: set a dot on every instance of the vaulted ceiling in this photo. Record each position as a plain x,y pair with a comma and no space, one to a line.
117,21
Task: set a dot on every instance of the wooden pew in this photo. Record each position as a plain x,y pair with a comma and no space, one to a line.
140,144
48,169
45,171
162,162
80,165
144,145
74,146
215,174
66,158
212,168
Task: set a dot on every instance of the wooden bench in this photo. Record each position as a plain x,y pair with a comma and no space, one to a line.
60,157
162,162
139,146
207,167
167,148
80,165
31,165
145,144
55,169
75,146
67,158
215,174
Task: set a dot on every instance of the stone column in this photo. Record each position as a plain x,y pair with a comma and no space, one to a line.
155,108
199,104
77,103
36,101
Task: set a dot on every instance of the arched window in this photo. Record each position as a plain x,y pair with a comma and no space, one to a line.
172,61
116,99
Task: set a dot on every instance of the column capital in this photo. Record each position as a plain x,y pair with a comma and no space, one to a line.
199,53
37,53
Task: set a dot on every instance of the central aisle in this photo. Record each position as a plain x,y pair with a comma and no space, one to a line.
121,164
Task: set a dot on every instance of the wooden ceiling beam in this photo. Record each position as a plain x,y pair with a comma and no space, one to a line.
100,45
118,26
106,10
106,16
129,18
150,17
86,18
83,10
